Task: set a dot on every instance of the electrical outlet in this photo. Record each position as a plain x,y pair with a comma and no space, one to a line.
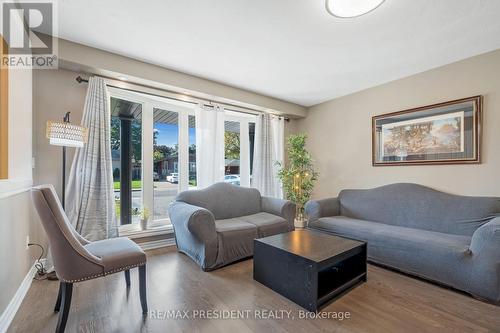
27,242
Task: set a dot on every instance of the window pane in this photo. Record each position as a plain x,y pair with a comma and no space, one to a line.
126,132
165,161
232,152
192,152
115,158
136,169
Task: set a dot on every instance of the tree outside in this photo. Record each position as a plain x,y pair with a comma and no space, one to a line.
232,145
136,137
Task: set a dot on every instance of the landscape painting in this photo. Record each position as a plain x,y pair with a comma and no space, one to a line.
429,135
444,133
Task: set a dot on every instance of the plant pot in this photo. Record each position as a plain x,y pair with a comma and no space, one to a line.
144,224
300,223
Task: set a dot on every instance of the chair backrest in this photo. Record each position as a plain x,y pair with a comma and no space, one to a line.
71,260
224,200
419,207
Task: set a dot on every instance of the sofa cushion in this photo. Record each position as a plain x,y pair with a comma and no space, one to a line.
267,224
235,240
433,255
419,207
233,224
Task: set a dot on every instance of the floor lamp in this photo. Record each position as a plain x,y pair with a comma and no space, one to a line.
66,135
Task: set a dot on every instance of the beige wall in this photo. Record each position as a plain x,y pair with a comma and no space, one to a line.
16,224
87,59
340,131
16,220
55,92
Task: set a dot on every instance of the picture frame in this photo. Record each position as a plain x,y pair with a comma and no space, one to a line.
443,133
4,113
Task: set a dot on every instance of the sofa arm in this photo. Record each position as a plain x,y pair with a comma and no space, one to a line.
316,209
280,207
196,220
486,239
195,235
484,252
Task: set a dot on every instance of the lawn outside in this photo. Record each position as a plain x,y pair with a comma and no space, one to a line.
136,185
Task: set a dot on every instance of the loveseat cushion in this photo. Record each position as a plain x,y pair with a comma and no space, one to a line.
235,239
433,255
234,224
267,224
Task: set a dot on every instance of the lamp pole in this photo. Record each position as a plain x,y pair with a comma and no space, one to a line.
63,199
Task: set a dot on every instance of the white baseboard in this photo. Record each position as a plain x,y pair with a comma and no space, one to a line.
11,310
157,244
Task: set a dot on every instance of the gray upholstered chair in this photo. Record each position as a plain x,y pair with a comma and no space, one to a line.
76,259
217,225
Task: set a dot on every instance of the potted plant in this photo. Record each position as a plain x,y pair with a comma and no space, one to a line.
144,218
298,176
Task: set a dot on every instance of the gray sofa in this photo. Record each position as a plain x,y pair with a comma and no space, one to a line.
217,225
450,239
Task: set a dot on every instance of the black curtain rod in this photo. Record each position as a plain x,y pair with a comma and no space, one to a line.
79,79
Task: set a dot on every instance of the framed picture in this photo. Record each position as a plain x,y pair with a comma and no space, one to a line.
4,113
445,133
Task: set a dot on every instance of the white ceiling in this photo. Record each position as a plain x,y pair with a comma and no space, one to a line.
291,50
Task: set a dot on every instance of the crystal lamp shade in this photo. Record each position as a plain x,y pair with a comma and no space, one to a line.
66,134
351,8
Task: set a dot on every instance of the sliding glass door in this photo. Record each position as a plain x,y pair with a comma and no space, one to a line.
232,149
153,143
165,161
239,133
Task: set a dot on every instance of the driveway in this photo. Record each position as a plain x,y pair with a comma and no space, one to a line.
164,194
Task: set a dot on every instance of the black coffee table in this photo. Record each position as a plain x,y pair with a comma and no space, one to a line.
309,267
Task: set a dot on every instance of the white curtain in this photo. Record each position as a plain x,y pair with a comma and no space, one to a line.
269,142
209,145
89,195
278,139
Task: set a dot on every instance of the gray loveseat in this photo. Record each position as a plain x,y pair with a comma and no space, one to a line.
217,225
450,239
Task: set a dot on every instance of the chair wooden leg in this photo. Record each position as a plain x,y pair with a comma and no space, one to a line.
58,302
142,288
127,277
67,291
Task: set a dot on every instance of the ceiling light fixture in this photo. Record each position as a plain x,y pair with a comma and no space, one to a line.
351,8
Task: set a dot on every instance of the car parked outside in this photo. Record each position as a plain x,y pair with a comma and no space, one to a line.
232,179
173,178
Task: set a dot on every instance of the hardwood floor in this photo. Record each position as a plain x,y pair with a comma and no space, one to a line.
388,302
